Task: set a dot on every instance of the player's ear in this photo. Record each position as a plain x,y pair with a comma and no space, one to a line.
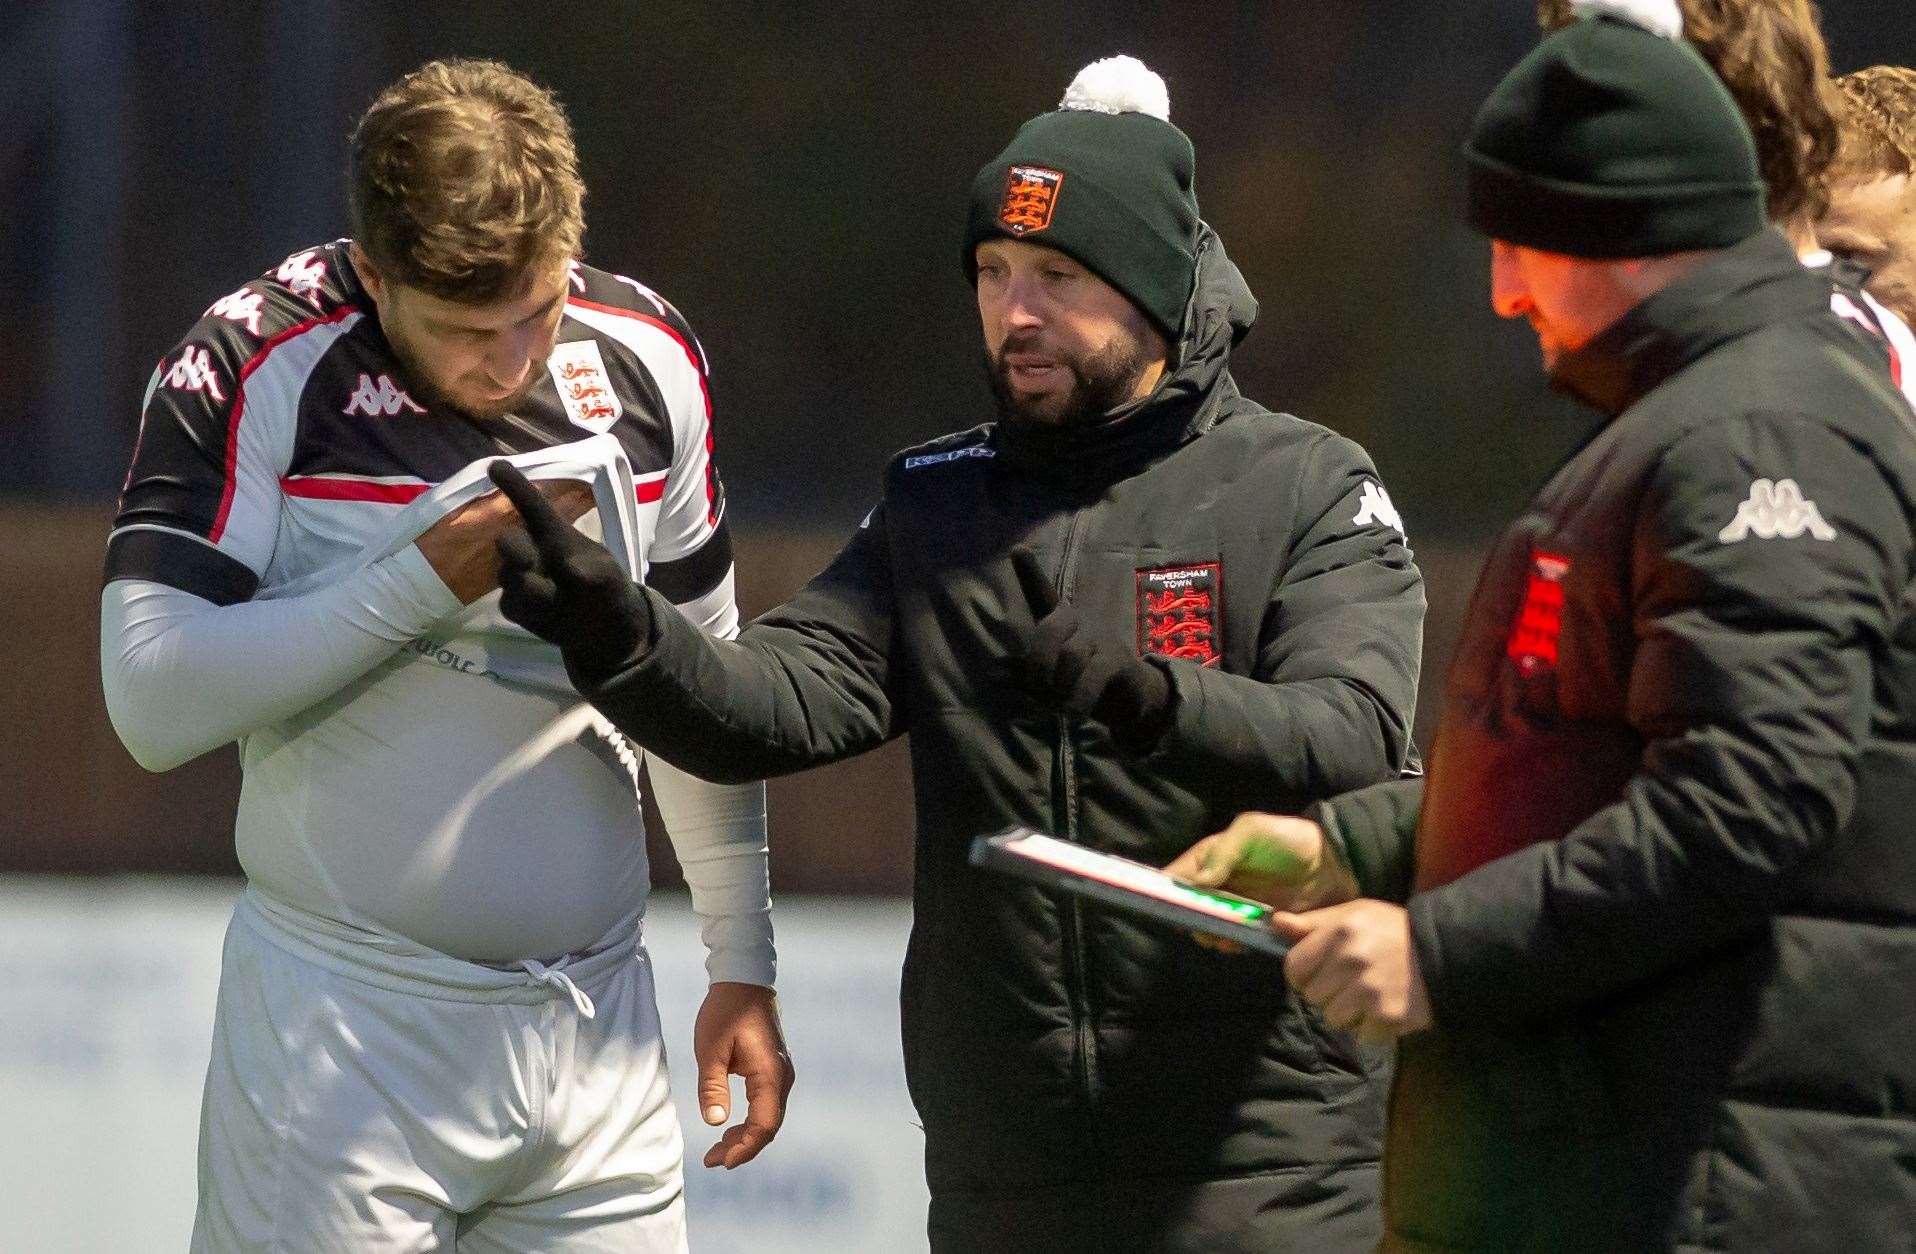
369,276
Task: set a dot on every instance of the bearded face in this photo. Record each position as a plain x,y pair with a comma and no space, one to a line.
1061,345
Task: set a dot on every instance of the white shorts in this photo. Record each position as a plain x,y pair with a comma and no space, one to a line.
367,1095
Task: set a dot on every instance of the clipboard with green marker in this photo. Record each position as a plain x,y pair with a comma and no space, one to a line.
1130,886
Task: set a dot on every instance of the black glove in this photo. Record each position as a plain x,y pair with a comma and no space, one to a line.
1127,694
567,590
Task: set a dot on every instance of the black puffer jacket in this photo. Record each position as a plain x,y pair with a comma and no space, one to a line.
1087,1082
1665,875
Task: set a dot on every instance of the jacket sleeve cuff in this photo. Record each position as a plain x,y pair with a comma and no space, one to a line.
1373,831
1182,724
1426,950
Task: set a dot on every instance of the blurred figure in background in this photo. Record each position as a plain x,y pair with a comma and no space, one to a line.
1121,612
1651,977
1772,57
436,1021
1871,218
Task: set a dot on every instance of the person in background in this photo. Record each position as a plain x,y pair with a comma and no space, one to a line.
1772,57
1871,218
1645,935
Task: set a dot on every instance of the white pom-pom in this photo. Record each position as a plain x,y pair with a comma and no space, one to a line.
1118,85
1659,17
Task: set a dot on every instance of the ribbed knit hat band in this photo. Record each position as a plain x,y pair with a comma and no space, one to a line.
1106,179
1613,138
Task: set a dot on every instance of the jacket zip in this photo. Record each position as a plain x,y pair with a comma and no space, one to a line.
1085,1052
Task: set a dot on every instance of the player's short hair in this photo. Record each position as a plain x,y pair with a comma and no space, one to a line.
1878,122
1771,55
465,181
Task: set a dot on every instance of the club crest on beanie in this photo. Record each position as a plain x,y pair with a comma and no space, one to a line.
1106,179
1613,138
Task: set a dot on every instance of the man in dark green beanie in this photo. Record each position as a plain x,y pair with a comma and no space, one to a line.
1653,974
1132,606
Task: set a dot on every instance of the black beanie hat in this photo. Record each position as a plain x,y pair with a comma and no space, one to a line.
1613,138
1107,179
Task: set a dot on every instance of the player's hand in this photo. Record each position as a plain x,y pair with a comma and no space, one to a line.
1119,689
1355,962
462,548
737,1033
1272,858
567,589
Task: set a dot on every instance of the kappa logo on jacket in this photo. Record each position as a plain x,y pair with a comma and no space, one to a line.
1776,510
380,397
1373,506
932,459
193,372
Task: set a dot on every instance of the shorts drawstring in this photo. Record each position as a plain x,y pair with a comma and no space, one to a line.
560,980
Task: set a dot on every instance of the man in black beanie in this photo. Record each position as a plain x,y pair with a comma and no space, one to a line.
1134,605
1653,977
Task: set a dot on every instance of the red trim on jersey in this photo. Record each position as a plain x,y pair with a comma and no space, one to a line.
1871,320
691,354
239,406
649,490
322,488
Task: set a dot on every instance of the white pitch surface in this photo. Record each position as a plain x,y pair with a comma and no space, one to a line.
106,1005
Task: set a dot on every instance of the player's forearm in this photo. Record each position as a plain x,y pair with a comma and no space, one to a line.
182,675
777,700
718,833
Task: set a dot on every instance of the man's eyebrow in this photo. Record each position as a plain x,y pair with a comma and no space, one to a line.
1856,237
544,309
438,324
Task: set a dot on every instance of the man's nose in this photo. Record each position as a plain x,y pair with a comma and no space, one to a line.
1023,307
1509,296
510,360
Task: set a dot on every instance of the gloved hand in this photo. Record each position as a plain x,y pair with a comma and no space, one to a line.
567,590
1127,694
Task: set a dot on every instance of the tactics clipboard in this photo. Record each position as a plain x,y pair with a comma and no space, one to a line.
1129,886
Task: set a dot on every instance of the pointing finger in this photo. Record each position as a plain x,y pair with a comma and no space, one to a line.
549,531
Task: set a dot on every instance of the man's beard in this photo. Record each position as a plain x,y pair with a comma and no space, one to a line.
1101,383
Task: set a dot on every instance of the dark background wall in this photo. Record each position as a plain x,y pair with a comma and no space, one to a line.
792,175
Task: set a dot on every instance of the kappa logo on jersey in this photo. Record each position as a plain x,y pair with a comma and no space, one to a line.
932,459
1776,510
1179,612
380,396
241,307
1533,637
1373,506
578,371
1031,197
304,273
193,372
